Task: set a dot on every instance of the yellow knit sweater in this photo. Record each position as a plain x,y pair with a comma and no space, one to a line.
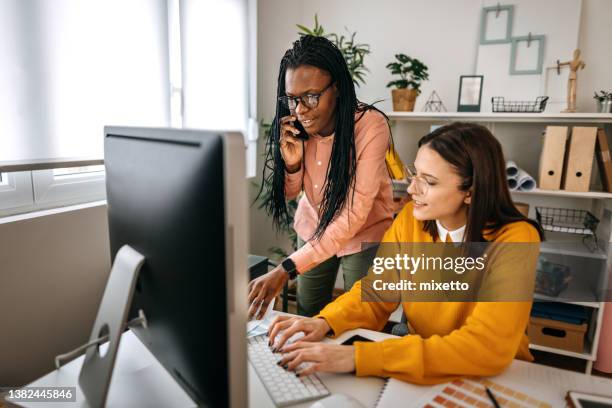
450,339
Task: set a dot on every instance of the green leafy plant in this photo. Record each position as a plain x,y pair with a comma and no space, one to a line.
603,96
275,252
316,31
353,52
410,70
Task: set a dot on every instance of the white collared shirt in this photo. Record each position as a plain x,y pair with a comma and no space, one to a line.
456,235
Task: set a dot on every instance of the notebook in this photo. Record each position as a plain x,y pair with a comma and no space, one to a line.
395,391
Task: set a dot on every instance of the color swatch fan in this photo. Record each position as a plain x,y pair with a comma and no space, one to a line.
471,393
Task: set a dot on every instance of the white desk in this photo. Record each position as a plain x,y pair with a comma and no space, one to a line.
140,381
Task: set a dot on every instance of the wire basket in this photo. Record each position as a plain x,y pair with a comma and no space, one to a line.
501,105
570,221
567,220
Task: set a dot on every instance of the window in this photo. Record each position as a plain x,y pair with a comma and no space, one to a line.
67,72
15,191
69,185
78,172
41,189
219,76
153,67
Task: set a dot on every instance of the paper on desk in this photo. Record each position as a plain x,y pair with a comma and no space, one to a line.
552,384
257,327
537,381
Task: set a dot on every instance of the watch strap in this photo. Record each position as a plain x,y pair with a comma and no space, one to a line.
289,267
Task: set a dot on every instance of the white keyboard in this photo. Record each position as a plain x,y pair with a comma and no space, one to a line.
282,385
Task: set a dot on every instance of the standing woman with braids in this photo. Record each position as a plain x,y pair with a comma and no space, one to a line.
339,164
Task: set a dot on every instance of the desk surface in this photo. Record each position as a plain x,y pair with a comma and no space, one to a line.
137,369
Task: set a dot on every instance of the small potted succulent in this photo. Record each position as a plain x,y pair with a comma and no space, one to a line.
604,101
411,73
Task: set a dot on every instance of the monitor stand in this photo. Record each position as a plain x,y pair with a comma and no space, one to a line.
97,368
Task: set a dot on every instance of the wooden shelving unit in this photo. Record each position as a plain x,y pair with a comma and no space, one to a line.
598,195
566,246
569,118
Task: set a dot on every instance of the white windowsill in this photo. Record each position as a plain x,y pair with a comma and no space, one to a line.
51,211
48,164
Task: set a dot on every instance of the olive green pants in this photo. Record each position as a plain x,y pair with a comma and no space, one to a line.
315,287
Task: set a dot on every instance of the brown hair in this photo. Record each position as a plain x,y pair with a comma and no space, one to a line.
478,159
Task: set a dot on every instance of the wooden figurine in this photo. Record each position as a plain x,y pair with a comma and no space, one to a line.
574,65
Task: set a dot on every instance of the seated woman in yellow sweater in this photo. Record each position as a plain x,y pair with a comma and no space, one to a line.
459,194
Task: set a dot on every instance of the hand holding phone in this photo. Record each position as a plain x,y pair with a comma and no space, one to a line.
302,135
291,146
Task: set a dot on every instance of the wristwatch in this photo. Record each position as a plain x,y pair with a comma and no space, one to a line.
289,267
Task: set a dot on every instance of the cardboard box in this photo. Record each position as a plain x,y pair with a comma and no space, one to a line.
557,334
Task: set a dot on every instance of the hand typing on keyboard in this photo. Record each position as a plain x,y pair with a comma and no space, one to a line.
285,327
287,359
306,358
308,355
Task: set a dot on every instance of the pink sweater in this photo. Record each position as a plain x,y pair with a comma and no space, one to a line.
372,210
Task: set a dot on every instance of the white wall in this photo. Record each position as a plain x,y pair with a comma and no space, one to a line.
444,34
594,42
558,21
53,272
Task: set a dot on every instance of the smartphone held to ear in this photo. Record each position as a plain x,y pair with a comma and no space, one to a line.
302,135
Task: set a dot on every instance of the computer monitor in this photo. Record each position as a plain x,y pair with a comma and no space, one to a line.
178,197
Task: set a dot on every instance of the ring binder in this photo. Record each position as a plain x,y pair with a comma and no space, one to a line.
381,393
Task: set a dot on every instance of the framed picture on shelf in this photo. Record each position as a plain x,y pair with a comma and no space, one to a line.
470,93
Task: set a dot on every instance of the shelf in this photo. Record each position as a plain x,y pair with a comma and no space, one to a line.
585,355
569,244
501,117
600,195
575,290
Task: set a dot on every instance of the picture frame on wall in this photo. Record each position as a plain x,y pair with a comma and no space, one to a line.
470,93
496,24
521,62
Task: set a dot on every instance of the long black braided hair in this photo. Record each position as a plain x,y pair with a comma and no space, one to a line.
323,54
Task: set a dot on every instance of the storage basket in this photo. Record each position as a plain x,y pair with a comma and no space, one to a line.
557,334
551,278
503,106
567,220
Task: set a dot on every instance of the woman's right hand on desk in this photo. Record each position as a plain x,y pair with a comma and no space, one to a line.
314,329
292,148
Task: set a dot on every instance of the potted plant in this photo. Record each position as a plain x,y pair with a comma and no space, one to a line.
604,101
352,51
411,72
